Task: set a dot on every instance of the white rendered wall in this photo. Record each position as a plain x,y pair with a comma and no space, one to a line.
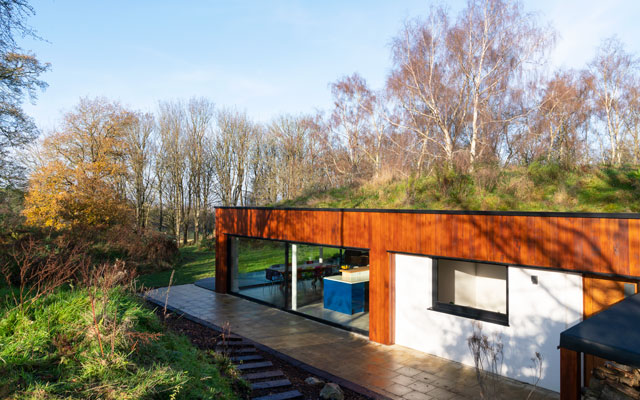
537,316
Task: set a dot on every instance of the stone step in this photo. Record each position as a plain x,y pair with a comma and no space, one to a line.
292,394
231,345
243,350
253,357
270,384
263,375
231,338
255,365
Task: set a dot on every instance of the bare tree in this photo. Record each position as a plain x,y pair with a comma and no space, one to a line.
426,89
199,119
172,136
452,81
139,149
632,122
230,155
265,169
612,70
562,113
359,127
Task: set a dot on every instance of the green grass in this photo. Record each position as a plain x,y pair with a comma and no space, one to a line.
50,350
538,187
193,264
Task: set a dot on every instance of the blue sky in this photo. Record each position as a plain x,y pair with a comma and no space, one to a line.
264,57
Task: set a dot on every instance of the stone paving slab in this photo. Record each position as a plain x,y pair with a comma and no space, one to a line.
393,371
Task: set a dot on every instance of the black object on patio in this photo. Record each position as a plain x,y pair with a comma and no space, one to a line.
612,334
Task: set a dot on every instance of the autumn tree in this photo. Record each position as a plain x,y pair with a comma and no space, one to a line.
81,179
19,80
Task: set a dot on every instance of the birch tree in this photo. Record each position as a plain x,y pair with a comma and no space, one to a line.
613,70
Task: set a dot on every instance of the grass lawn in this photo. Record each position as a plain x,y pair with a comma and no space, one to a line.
194,264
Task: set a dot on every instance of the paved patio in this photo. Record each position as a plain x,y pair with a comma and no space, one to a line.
393,371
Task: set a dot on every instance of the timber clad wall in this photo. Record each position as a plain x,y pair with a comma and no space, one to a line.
598,243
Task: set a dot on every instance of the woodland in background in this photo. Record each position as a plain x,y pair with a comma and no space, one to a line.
468,97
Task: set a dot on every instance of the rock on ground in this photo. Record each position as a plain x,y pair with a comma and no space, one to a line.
331,391
312,380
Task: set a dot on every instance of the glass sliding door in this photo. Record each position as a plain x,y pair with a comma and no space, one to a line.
330,284
326,283
258,270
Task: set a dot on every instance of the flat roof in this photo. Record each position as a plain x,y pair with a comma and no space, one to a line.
612,334
556,214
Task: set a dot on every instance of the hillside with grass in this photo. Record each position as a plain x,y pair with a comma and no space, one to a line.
539,187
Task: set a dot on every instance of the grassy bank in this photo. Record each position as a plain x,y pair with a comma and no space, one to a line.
55,348
539,187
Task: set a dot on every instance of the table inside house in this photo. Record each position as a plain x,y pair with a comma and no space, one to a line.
313,271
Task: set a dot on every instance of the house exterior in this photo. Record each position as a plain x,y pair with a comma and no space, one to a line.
526,276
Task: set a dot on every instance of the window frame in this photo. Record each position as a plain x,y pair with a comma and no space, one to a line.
466,311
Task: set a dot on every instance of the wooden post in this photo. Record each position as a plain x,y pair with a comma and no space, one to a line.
222,272
294,277
569,375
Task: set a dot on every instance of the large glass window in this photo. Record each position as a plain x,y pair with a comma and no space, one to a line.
471,289
331,284
257,270
326,283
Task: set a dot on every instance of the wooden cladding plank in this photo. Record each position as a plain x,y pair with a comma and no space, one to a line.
601,245
634,247
569,375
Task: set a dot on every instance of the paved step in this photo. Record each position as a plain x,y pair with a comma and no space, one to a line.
270,384
255,365
232,345
243,350
232,338
254,357
292,394
263,375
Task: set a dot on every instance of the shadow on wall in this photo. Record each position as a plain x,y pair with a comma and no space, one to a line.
537,315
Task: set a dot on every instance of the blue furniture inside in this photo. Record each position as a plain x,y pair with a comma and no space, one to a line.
346,297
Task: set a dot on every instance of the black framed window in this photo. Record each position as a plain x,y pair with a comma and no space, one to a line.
471,289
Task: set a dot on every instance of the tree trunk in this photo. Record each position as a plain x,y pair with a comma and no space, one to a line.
196,225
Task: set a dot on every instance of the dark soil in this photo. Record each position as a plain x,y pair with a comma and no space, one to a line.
205,338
